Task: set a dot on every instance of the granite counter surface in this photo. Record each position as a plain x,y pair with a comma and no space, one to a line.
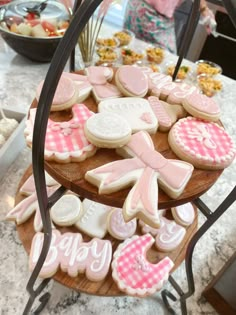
18,80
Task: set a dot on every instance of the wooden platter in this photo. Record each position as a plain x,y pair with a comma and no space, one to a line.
107,287
71,175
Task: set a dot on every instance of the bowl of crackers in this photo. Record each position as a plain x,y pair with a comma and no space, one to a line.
208,84
124,37
207,67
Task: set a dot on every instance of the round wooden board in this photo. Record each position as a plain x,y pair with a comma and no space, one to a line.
107,287
71,175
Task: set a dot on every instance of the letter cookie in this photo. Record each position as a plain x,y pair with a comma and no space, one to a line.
135,110
166,114
184,214
143,170
117,227
204,144
93,220
69,252
132,272
65,141
107,130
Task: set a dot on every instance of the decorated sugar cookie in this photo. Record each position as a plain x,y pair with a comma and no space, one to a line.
65,141
133,273
135,110
184,214
131,81
117,227
204,144
166,114
168,236
107,130
202,106
180,92
67,210
93,220
142,171
72,255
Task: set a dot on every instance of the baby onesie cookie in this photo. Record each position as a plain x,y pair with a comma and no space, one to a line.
105,91
117,227
131,81
65,95
166,114
143,171
133,273
99,75
66,211
202,106
204,144
65,141
107,130
93,220
72,255
135,110
168,236
184,214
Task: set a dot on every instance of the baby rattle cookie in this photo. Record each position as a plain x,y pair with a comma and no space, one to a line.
184,214
107,130
65,141
117,226
131,81
93,220
72,255
136,110
66,211
204,144
133,273
166,114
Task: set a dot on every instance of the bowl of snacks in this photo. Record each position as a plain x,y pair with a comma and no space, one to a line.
110,42
34,28
155,54
208,84
124,37
182,73
106,55
131,56
207,67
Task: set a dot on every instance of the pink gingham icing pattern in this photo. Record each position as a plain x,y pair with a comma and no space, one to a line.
132,270
206,141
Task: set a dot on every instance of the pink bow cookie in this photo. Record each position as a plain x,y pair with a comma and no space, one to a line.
133,273
143,171
65,141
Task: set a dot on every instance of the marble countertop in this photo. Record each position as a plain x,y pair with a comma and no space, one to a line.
19,78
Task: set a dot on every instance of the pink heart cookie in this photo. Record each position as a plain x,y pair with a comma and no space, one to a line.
74,256
204,144
133,273
65,141
117,227
184,214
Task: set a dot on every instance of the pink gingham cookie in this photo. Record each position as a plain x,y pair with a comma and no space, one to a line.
117,226
184,214
65,141
201,106
133,273
204,144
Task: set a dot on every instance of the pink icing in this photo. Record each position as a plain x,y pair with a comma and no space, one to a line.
118,227
128,75
169,235
203,140
107,90
180,92
73,255
97,75
64,92
75,76
134,272
185,213
202,103
158,80
147,117
160,112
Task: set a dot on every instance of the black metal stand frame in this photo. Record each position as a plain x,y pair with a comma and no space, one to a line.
83,10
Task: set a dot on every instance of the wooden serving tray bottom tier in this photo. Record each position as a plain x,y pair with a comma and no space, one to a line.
107,287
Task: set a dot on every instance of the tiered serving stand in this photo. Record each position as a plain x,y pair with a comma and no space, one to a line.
71,177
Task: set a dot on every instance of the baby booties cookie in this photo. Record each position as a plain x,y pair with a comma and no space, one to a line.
204,144
132,272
